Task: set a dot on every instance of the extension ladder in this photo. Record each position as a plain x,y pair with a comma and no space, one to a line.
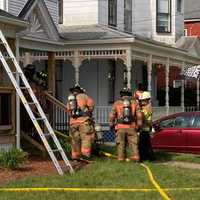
42,117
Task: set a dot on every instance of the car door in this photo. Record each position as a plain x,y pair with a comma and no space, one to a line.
193,135
170,136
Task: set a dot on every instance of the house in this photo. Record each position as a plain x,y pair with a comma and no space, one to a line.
103,45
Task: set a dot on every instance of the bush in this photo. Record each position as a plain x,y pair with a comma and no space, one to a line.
12,158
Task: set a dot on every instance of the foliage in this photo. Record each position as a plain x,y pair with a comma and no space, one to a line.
12,158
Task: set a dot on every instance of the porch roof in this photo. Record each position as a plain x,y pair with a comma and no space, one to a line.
8,18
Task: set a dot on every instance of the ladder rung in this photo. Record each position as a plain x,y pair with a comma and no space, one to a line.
17,73
8,57
32,103
56,150
47,134
40,118
24,88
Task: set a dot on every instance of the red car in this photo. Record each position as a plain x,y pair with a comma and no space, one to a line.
178,133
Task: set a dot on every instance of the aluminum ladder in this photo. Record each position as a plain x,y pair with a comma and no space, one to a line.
8,55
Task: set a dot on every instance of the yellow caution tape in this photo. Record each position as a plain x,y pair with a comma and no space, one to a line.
160,190
92,189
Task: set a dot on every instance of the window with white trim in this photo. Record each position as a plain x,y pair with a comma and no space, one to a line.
128,15
112,12
163,21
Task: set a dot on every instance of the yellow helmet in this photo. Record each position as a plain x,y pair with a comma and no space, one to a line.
145,95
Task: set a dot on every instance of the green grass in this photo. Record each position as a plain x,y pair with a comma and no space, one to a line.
105,172
163,156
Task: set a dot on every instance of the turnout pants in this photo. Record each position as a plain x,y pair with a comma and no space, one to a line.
145,148
127,137
82,137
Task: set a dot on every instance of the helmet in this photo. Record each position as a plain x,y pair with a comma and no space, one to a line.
76,88
125,92
145,95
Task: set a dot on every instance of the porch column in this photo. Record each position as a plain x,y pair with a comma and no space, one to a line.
27,59
149,72
198,94
51,73
167,86
18,135
129,67
76,64
183,89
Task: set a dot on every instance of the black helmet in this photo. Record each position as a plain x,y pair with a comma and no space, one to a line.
125,92
76,88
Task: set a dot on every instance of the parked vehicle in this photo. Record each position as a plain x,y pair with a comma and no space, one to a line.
178,133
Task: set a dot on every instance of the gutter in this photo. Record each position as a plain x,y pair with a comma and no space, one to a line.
15,22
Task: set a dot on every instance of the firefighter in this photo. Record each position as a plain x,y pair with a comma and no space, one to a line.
80,107
125,118
145,148
137,94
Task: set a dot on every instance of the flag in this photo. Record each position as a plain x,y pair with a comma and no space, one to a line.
192,72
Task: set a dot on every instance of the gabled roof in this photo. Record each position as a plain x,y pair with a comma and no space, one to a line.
190,44
42,25
191,9
11,19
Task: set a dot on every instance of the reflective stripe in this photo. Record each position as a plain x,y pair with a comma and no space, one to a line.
86,151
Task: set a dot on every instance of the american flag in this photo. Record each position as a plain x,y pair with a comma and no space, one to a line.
191,72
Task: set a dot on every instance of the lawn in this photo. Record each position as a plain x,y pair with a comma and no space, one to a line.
108,173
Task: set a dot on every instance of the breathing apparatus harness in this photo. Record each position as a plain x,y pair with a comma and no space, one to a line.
76,111
127,117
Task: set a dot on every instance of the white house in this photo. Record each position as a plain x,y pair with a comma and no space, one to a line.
103,45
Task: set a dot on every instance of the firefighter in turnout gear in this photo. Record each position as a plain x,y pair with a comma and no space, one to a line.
80,107
125,118
145,148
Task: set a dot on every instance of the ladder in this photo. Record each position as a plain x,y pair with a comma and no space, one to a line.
8,55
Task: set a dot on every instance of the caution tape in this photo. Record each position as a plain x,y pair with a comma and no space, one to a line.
157,186
93,189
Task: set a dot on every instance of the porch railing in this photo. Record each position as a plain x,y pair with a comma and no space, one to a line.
57,113
59,117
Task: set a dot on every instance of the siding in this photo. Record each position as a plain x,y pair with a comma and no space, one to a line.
15,7
103,12
52,6
80,12
142,17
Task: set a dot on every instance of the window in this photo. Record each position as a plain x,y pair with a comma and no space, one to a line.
163,16
182,122
112,12
60,11
196,123
168,123
179,5
128,15
5,109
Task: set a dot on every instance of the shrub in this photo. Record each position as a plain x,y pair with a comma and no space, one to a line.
12,158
